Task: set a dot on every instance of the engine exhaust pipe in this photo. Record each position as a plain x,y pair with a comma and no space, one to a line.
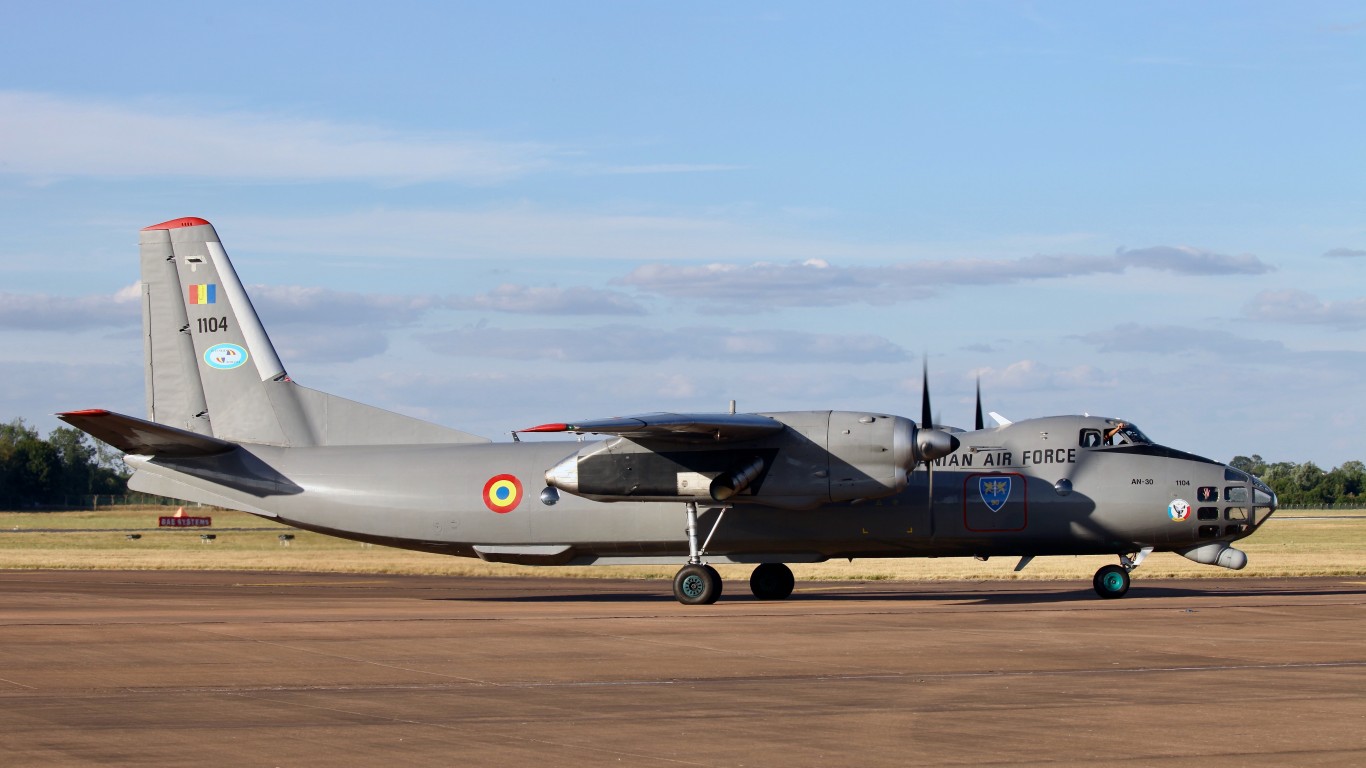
727,484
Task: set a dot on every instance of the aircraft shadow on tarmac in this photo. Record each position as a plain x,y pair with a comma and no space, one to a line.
1138,593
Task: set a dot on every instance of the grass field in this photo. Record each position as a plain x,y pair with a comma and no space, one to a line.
1298,543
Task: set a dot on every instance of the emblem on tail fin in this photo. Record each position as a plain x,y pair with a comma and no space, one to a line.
225,357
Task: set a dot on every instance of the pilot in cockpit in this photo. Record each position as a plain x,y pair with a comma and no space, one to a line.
1117,436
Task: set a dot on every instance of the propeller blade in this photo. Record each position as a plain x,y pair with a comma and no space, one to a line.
925,421
980,423
930,443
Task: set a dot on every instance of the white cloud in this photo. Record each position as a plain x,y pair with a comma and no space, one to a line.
1032,375
1345,253
669,168
639,344
760,285
1295,306
323,306
1184,260
532,300
325,344
43,312
46,136
1214,348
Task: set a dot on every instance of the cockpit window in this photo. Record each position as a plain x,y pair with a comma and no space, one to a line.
1125,434
1090,438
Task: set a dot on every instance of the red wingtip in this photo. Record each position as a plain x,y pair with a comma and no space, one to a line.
188,221
548,428
86,412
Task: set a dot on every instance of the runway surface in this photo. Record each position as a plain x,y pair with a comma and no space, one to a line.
250,669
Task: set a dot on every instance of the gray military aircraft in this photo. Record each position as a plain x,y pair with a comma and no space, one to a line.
227,426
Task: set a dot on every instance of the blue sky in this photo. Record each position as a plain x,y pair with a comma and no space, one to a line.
498,215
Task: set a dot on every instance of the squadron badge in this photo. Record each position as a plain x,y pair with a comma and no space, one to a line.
1179,510
995,491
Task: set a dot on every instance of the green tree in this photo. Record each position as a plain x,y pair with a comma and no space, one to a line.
1253,465
76,461
65,466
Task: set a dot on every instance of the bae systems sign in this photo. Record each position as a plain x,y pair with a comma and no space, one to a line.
182,520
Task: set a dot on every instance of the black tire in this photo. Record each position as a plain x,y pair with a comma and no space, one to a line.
697,585
772,581
720,585
1111,582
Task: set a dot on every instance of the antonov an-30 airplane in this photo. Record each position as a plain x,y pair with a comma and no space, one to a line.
227,426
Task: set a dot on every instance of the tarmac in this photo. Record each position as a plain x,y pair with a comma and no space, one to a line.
258,669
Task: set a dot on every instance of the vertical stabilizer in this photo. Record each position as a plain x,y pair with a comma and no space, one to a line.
211,368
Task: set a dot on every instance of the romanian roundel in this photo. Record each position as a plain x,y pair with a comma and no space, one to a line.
502,493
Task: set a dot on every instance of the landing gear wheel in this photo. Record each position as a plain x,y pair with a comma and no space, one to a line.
1111,582
697,585
771,581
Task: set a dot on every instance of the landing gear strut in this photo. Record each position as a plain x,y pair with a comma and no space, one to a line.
698,583
1112,581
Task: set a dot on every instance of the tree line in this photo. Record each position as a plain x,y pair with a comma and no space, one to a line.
1307,484
68,465
61,469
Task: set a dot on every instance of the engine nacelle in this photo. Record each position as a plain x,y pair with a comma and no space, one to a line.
821,457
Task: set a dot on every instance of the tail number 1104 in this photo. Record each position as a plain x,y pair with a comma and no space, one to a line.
213,324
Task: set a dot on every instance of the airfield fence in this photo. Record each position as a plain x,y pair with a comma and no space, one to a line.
102,501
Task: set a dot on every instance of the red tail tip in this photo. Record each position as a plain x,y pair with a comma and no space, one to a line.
188,221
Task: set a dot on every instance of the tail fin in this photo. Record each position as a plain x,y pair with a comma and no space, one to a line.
212,370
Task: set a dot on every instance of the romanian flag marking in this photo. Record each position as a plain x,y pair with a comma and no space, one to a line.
502,493
204,294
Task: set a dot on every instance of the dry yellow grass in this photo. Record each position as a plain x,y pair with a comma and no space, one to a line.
1290,545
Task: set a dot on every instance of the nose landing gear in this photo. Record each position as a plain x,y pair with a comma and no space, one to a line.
1112,581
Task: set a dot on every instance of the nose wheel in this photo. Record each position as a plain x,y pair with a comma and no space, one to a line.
1112,581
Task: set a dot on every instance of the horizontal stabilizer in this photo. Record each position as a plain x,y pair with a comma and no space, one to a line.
144,438
687,427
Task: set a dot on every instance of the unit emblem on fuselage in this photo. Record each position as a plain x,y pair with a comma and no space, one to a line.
995,491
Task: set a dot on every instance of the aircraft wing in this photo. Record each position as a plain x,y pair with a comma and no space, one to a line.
146,438
681,427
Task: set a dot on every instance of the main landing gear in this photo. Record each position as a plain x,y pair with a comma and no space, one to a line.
1112,581
699,584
